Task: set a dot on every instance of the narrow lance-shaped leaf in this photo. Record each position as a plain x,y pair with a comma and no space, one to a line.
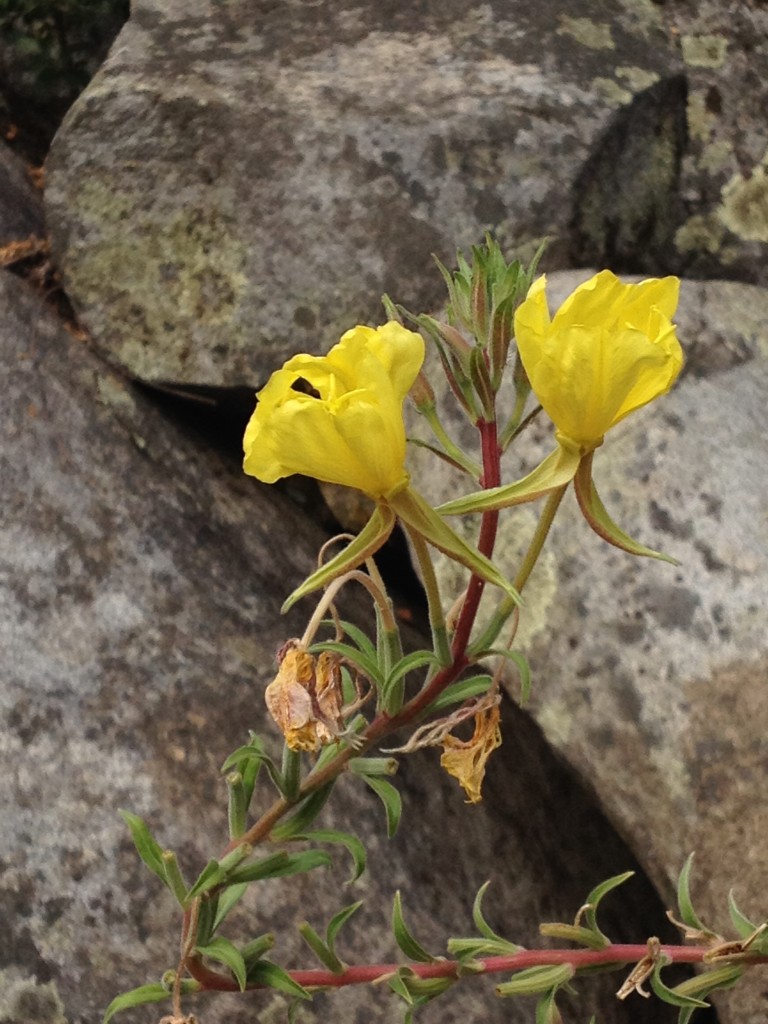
405,940
390,797
224,952
146,845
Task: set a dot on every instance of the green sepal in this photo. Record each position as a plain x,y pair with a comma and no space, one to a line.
389,796
718,978
535,980
366,543
147,847
423,519
557,470
306,812
269,975
154,993
353,845
598,519
224,952
405,940
279,866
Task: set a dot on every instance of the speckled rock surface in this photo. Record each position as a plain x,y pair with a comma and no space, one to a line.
240,183
140,582
21,204
652,679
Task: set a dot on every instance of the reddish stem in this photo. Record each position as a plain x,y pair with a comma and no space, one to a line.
491,478
367,973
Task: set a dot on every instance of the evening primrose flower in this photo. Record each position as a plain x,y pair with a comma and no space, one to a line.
349,430
466,759
610,349
345,426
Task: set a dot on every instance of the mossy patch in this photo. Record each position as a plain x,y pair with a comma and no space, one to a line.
704,51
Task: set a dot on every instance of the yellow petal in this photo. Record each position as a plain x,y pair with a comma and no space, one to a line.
349,430
610,349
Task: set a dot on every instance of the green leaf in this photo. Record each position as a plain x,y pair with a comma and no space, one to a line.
685,906
136,997
227,900
547,1011
373,766
480,923
206,916
361,639
557,470
211,875
263,972
405,940
744,927
368,664
289,864
146,845
224,952
534,980
338,921
256,948
306,812
390,797
351,842
411,662
597,516
520,662
366,543
460,691
593,901
573,933
470,949
669,995
324,954
723,977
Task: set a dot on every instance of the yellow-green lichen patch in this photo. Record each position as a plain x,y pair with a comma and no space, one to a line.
716,156
154,276
637,79
744,209
703,232
704,51
701,121
594,34
610,92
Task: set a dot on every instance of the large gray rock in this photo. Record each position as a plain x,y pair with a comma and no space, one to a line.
236,185
21,205
651,679
140,582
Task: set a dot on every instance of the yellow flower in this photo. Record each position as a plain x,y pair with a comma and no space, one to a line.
610,349
349,429
466,759
304,698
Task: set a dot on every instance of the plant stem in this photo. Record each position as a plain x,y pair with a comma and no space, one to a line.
617,954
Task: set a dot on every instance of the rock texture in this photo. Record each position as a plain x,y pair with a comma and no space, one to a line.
140,583
21,204
651,679
234,185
